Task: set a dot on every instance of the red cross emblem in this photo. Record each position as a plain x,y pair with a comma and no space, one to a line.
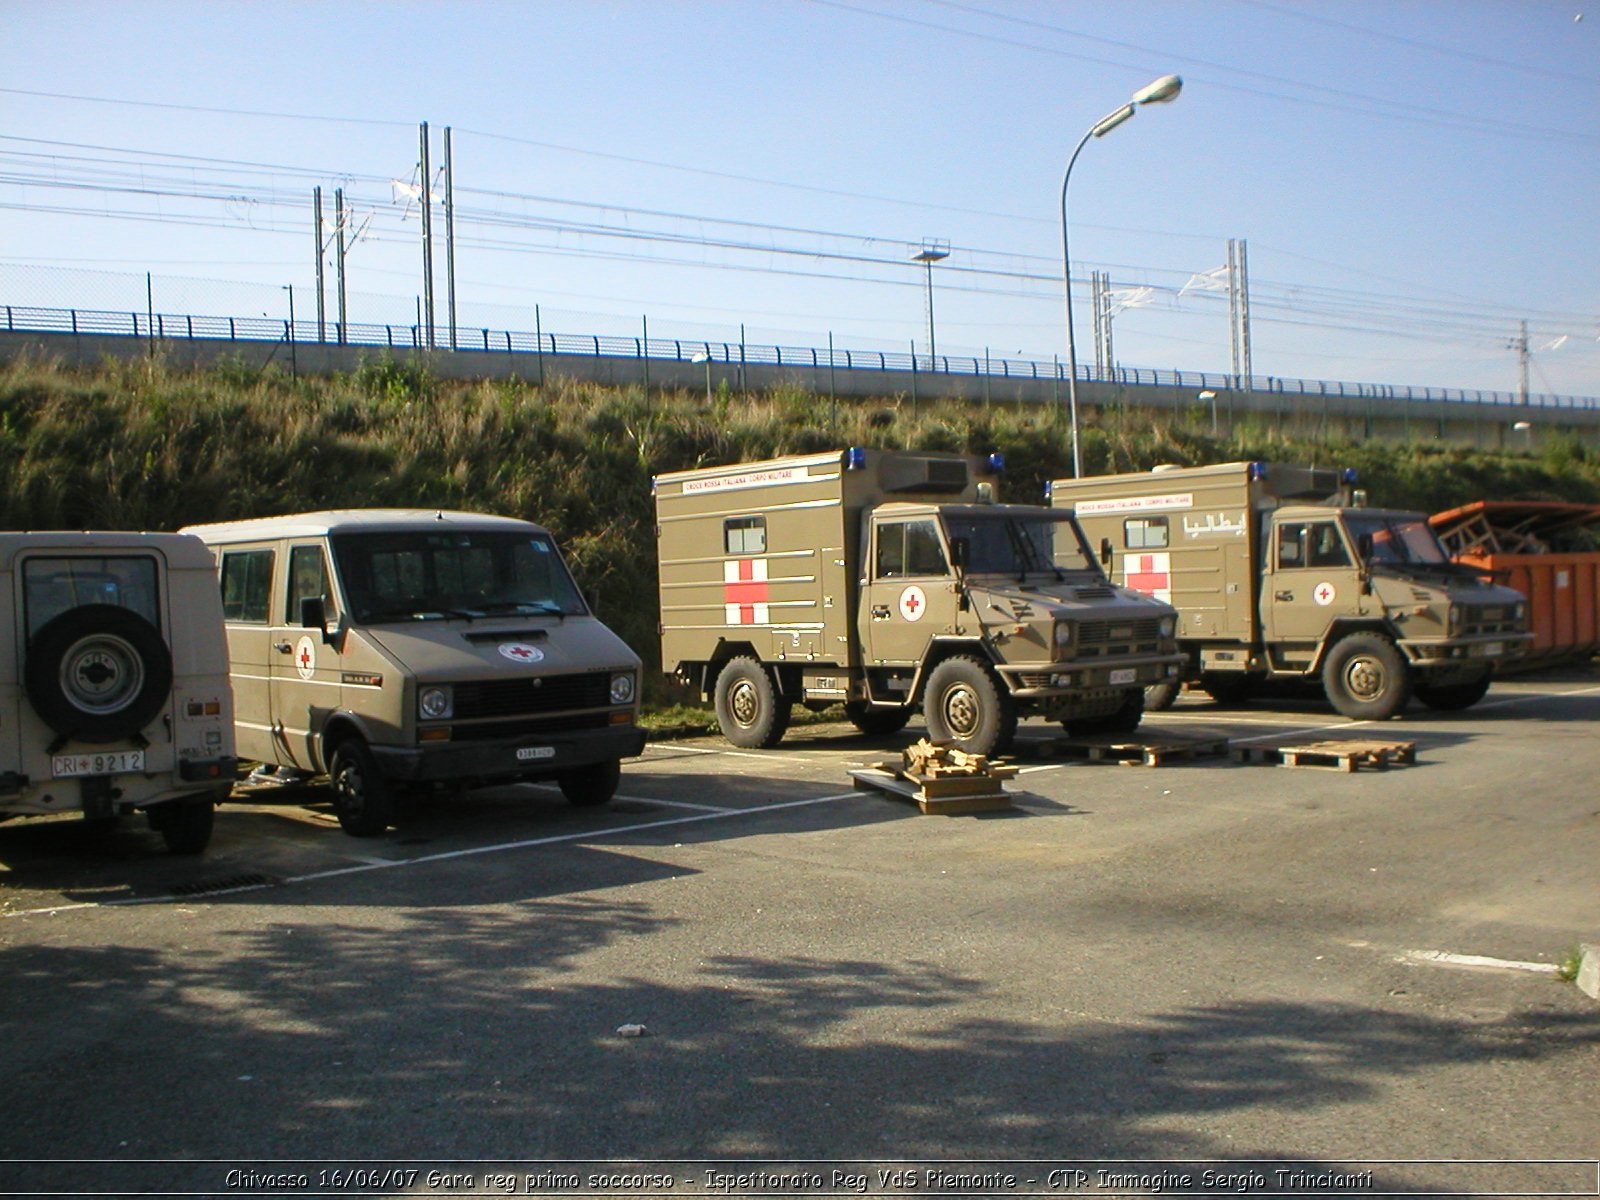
744,591
1150,574
1324,593
305,658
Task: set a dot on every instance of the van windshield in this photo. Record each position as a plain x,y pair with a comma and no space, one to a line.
1010,544
420,576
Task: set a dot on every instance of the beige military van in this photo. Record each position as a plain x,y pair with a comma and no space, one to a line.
395,649
114,681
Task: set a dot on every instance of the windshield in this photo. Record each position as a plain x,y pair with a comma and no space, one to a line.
1395,539
1003,544
418,576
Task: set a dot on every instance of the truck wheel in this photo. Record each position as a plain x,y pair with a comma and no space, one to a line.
1452,697
1159,697
363,800
99,673
966,705
1365,677
185,825
1228,688
1125,720
749,709
875,721
587,787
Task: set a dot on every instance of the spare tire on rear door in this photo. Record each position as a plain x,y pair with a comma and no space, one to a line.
98,673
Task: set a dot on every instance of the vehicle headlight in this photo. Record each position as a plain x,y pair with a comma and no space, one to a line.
1168,626
435,703
1064,634
622,688
1455,617
1519,611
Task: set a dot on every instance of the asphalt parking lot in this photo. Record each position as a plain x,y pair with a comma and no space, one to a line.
1201,961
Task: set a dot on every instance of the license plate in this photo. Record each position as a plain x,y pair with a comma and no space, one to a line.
1494,649
1125,675
534,753
106,762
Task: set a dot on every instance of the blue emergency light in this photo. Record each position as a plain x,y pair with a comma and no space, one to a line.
855,458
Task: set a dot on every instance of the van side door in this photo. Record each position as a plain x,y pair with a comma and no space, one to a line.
246,578
305,672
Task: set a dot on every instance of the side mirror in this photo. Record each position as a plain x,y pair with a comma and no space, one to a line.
1105,553
314,615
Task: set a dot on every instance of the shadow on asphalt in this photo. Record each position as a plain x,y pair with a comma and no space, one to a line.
350,1039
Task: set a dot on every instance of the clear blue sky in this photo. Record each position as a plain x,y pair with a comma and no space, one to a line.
1412,179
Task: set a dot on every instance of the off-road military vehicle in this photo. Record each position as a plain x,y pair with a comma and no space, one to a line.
1280,572
393,649
884,580
114,681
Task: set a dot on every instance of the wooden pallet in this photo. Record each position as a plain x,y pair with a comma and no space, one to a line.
950,795
1337,755
1150,749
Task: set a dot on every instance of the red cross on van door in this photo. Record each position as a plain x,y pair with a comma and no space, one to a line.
744,591
1150,574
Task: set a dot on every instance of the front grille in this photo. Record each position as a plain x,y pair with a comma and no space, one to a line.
1486,620
1100,633
541,694
491,731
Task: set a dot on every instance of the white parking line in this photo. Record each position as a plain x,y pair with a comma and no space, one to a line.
763,757
710,808
499,847
1443,958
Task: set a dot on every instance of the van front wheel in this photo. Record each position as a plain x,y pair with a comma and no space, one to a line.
587,787
363,799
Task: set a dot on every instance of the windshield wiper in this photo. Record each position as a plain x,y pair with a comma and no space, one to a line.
543,607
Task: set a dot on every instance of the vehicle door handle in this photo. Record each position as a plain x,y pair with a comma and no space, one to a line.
880,612
1283,595
283,647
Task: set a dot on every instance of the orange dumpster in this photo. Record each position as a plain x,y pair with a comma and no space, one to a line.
1550,552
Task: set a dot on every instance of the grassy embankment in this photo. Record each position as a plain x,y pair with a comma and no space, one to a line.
139,446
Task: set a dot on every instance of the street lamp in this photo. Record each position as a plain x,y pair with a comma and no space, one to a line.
931,252
704,356
1211,396
1157,92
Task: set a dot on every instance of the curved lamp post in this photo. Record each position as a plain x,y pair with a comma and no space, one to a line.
1158,92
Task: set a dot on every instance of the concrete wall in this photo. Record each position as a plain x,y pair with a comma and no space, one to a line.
1314,416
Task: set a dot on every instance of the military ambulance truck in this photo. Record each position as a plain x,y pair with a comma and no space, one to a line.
884,580
399,650
1281,573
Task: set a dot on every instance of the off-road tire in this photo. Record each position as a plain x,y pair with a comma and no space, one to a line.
749,709
184,825
965,704
98,673
1452,697
588,787
1125,720
876,721
1159,697
1366,678
1228,689
363,800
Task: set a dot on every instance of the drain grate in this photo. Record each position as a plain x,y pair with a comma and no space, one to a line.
206,887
